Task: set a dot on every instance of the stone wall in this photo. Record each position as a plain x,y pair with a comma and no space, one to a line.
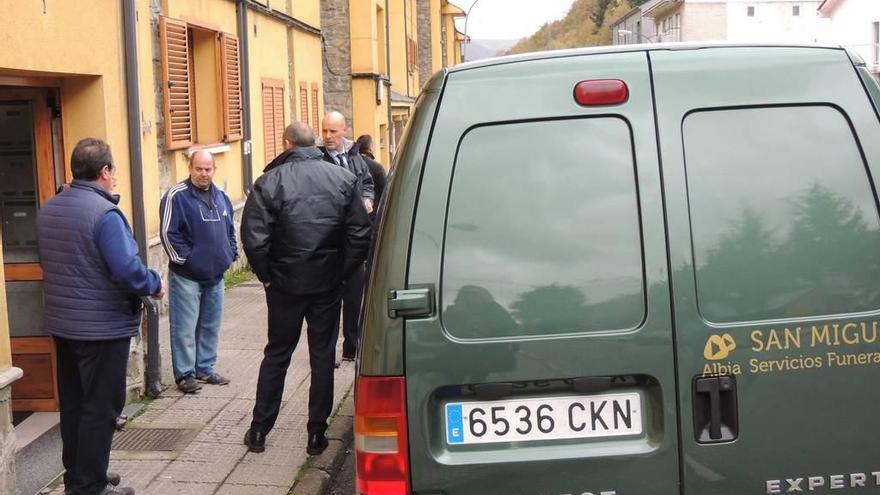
335,25
7,443
424,31
165,175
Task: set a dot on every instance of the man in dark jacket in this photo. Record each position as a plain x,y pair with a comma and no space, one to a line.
343,152
198,234
304,230
92,284
377,172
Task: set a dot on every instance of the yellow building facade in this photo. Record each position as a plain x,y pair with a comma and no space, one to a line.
157,80
379,54
369,73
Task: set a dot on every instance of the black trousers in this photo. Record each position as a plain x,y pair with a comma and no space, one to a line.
286,314
352,299
91,388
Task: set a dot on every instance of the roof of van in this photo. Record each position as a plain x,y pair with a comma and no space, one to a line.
622,49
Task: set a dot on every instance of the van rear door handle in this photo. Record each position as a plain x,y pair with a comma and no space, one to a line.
417,301
715,409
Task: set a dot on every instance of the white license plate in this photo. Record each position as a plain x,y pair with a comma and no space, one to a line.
549,418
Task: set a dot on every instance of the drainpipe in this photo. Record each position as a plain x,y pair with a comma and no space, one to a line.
129,20
388,84
244,62
406,41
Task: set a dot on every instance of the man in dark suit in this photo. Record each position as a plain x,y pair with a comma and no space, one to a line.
341,151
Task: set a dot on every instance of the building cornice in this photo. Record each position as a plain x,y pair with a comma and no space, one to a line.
371,75
283,17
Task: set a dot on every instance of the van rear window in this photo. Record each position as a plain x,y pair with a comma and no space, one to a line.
783,215
542,234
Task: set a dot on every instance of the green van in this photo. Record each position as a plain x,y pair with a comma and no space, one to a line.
634,270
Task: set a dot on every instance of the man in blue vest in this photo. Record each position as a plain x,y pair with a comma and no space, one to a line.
198,234
92,284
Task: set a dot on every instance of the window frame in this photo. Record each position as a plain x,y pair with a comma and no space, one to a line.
865,168
638,223
176,66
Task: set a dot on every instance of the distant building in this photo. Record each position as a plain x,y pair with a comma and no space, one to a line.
855,24
633,28
779,21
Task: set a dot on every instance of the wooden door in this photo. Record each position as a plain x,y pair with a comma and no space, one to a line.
27,180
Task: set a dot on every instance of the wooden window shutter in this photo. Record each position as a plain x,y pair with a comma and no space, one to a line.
315,104
273,117
268,122
230,75
278,116
304,103
176,82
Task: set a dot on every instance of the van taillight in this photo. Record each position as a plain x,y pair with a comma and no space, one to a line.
601,92
380,436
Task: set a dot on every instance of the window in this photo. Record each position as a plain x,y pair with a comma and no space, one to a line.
201,77
876,46
750,11
304,103
572,260
784,222
315,108
676,26
796,10
411,55
380,40
273,118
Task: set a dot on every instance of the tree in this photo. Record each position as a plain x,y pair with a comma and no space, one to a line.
597,14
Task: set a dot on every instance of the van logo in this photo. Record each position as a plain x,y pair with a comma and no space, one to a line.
719,347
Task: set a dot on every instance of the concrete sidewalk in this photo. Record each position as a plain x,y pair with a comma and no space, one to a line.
208,456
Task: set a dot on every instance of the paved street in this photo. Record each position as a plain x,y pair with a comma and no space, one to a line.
209,457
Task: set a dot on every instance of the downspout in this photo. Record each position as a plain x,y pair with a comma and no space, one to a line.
247,172
153,385
388,81
406,41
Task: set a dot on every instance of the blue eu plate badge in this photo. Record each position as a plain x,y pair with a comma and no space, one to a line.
454,424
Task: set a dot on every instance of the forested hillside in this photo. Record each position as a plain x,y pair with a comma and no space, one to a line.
587,23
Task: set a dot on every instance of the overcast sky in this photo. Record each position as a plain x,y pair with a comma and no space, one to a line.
509,19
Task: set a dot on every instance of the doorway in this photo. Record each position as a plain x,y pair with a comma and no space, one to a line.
27,180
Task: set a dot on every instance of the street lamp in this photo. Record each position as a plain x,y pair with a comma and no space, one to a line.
466,39
625,32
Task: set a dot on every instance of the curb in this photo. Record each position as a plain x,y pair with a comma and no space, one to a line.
315,479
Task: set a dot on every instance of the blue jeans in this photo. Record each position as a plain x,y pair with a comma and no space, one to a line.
195,312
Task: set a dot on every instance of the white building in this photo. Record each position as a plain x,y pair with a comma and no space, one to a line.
855,24
776,21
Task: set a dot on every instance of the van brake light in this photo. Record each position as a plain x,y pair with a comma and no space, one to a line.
380,436
600,92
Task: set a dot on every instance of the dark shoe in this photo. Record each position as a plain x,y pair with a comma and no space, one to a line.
117,490
255,440
188,385
317,443
112,478
346,357
213,379
336,364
